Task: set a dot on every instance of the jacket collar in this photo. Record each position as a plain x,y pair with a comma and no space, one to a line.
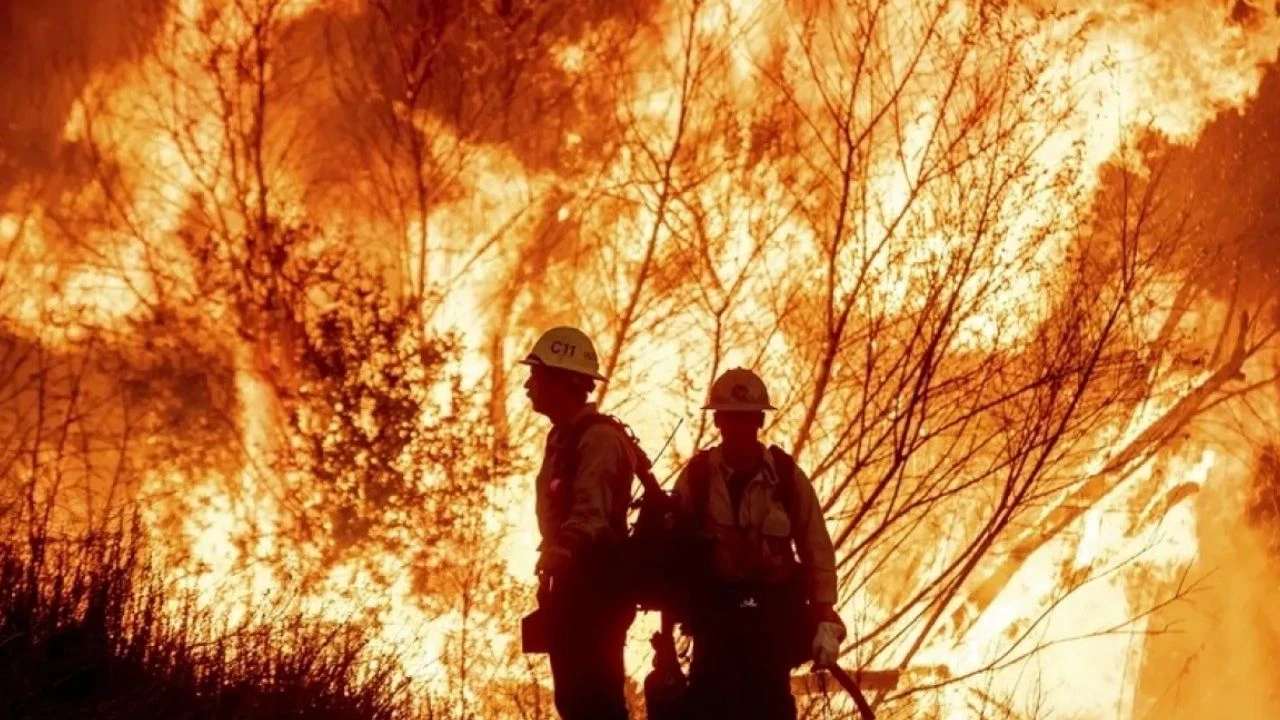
587,410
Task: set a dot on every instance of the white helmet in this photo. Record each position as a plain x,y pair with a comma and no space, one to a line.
565,348
738,390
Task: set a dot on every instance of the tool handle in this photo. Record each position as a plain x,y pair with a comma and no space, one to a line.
849,684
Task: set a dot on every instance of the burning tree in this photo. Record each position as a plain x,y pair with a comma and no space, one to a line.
895,209
321,232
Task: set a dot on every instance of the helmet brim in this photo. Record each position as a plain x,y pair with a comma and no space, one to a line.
535,361
733,407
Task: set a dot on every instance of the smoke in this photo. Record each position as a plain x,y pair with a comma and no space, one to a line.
50,50
1212,654
405,88
1229,183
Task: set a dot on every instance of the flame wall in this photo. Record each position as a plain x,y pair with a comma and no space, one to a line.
808,188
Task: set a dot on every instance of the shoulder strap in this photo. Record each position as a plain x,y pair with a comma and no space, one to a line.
700,483
643,470
786,468
568,458
644,466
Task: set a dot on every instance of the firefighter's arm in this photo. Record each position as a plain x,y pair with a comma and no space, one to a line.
602,461
813,543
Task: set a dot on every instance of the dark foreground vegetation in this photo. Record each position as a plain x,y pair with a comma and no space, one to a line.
85,633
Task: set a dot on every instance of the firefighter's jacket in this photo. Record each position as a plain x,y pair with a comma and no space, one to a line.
756,545
591,507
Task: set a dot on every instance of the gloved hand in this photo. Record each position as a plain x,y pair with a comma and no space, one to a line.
553,560
826,644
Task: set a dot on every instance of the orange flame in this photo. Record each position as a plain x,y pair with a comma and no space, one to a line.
736,126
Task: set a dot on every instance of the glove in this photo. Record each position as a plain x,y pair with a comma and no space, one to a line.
553,560
826,644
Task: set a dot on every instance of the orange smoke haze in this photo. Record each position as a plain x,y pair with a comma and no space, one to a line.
1010,268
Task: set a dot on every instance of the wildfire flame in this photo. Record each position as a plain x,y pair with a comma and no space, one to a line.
699,184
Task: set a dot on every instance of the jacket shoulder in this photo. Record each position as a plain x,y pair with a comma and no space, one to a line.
783,463
697,473
789,477
607,435
595,426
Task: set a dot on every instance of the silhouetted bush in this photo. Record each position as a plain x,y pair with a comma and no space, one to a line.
87,631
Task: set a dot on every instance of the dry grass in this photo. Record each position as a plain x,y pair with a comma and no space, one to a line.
85,633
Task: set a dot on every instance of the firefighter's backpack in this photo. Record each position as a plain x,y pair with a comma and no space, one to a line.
652,556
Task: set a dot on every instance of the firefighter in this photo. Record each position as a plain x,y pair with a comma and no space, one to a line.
761,610
583,490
